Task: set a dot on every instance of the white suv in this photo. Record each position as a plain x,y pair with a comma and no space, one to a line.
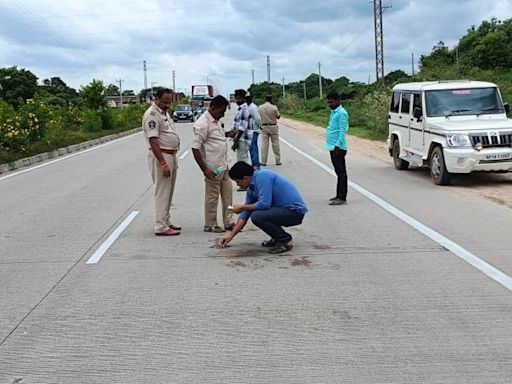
452,126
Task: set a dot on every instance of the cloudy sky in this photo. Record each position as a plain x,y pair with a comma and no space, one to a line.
221,41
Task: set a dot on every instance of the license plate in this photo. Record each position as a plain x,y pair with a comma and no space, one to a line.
502,156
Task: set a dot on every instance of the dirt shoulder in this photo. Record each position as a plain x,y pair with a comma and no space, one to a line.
496,187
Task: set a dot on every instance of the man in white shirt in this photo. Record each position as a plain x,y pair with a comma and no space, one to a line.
210,151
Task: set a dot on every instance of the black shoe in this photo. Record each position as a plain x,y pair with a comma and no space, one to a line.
338,202
333,198
279,248
269,243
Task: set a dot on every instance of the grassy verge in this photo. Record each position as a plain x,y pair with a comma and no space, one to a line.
64,140
322,120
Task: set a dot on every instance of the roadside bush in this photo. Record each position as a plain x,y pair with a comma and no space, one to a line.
92,121
291,104
371,112
107,117
36,126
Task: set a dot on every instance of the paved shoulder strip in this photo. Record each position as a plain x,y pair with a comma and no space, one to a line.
453,247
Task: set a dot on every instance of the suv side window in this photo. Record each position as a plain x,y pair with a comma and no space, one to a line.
416,103
406,103
395,102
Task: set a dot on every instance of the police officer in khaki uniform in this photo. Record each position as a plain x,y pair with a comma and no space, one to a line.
163,143
269,115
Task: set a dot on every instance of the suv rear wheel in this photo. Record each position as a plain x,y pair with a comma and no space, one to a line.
438,171
400,164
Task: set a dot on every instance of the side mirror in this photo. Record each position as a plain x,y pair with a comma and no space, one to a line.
417,113
507,107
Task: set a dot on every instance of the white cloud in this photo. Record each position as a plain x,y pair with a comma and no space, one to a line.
223,40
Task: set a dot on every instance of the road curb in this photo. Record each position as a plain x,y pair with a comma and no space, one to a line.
39,158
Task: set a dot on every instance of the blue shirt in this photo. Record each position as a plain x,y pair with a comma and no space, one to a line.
337,129
269,189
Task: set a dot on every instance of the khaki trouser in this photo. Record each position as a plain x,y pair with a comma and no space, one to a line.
164,189
272,132
242,153
222,186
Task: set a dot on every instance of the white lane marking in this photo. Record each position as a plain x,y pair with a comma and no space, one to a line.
184,155
110,240
65,157
453,247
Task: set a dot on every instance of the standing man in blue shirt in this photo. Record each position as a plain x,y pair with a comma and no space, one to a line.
256,130
336,144
272,202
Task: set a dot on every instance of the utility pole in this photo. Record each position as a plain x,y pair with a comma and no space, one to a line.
412,62
152,94
284,93
379,39
174,81
457,59
121,90
252,73
268,69
320,79
145,79
304,84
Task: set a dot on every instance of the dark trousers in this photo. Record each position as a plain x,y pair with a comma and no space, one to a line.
338,161
273,219
253,150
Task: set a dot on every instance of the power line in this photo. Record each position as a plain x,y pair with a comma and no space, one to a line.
199,24
221,6
62,42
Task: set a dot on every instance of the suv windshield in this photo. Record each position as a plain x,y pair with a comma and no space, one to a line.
467,101
183,108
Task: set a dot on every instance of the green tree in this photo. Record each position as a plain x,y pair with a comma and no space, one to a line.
494,50
56,92
440,56
17,85
397,76
112,90
94,94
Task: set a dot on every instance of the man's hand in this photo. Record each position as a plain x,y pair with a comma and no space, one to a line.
225,240
231,133
209,174
165,169
238,208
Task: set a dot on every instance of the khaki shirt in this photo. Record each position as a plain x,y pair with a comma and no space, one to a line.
157,123
268,114
210,139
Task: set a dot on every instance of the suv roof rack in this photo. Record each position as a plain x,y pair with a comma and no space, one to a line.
454,81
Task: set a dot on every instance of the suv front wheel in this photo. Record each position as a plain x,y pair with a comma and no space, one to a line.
438,171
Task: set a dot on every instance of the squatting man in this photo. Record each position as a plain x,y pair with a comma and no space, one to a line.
272,202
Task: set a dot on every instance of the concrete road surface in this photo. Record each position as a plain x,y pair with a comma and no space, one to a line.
371,292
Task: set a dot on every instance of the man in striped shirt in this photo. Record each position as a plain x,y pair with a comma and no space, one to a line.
242,127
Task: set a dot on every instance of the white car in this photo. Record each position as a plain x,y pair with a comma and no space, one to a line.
451,126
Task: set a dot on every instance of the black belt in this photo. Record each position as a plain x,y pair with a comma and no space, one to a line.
268,124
